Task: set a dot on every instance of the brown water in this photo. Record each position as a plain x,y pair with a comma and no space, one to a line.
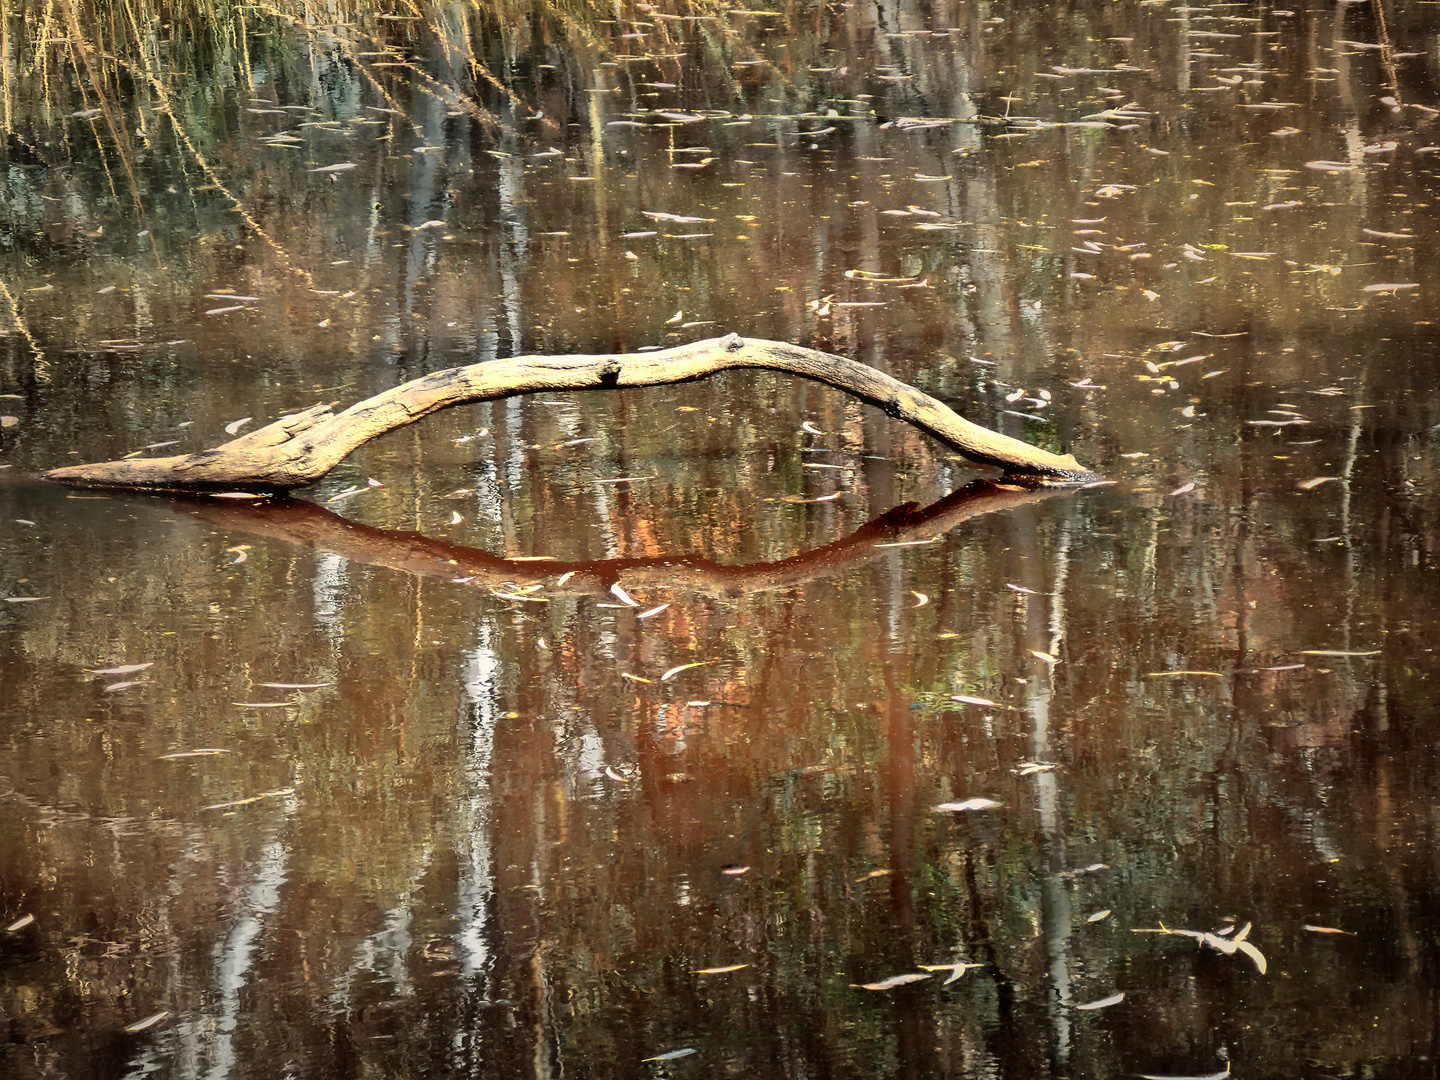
502,835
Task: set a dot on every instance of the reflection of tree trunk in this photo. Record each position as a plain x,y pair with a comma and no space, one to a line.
301,448
309,526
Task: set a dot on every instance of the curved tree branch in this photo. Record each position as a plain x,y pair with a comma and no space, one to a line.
299,449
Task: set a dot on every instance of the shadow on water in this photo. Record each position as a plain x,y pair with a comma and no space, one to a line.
323,790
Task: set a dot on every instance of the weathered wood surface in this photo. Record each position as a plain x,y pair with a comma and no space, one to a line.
305,526
299,449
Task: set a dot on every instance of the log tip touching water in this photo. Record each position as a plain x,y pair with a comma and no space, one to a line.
300,448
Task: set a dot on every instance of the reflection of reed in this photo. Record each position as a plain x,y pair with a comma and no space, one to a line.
306,525
18,320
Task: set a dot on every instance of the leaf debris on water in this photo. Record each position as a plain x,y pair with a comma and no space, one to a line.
123,669
956,970
1030,768
149,1022
892,982
1098,916
1103,1003
1208,1076
624,597
977,803
1217,941
1327,930
651,612
684,667
968,700
252,799
673,1054
20,923
719,970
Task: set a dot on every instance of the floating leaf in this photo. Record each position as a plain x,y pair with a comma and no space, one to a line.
624,597
1098,916
1315,482
1042,656
1030,768
719,970
1207,1076
892,982
1391,287
1184,489
149,1022
202,752
920,598
1254,954
968,700
124,669
252,799
673,1054
9,421
683,667
115,687
969,804
20,923
956,970
295,685
811,428
342,166
1103,1003
636,678
1327,930
1168,674
651,612
1339,652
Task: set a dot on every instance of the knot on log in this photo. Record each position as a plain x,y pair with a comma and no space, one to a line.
732,343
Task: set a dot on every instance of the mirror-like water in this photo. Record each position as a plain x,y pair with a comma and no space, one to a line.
389,781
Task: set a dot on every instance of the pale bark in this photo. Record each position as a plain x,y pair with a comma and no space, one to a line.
300,448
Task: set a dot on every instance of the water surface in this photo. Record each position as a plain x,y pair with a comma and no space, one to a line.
476,830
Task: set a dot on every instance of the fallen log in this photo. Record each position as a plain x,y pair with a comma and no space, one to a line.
300,448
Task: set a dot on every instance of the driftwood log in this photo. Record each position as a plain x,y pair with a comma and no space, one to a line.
300,448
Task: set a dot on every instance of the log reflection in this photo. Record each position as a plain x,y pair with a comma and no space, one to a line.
305,525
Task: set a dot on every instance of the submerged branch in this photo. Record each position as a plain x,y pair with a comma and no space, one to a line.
299,449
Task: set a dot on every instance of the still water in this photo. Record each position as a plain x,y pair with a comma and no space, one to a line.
389,781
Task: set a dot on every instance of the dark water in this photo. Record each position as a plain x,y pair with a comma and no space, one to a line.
495,840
